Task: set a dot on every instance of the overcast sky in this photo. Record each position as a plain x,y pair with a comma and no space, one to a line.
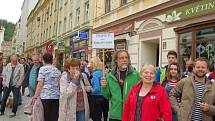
10,10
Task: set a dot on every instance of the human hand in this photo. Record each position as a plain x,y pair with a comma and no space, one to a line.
103,82
76,75
4,84
88,88
17,86
204,106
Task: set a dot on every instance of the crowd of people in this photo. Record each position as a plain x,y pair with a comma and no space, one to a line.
84,91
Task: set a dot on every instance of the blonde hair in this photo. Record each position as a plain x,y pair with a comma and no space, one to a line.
96,63
148,66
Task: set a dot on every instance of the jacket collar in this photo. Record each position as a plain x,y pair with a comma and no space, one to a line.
208,83
115,72
152,90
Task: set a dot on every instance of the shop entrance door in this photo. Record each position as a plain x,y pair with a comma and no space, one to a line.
150,52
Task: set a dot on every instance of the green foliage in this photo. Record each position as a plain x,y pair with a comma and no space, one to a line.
9,29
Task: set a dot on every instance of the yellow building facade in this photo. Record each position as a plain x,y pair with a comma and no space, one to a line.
61,27
119,17
42,27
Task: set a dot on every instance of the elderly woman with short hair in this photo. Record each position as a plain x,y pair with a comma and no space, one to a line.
73,93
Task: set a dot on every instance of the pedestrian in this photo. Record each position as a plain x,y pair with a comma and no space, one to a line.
196,93
188,68
26,69
73,93
13,75
48,88
99,105
170,81
118,82
84,68
1,77
148,100
161,72
33,74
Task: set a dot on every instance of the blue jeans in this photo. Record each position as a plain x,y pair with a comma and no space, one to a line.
16,92
80,116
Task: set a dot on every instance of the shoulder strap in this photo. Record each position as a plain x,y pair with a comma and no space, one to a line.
85,79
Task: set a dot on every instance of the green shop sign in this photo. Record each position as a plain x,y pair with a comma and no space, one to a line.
191,10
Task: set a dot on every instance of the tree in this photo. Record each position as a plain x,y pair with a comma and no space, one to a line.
9,29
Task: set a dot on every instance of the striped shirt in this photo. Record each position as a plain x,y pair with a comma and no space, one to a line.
197,112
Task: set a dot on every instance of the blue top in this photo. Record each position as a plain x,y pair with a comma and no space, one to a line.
33,77
96,82
50,76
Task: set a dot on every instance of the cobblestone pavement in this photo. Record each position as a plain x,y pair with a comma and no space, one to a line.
20,116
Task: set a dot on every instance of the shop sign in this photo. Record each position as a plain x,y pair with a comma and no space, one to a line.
49,48
103,41
195,9
83,35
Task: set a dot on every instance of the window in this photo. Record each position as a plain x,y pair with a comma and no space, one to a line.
50,28
78,16
197,43
164,45
86,13
64,25
70,17
107,6
59,31
54,29
47,33
124,2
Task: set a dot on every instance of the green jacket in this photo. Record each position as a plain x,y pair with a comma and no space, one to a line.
113,92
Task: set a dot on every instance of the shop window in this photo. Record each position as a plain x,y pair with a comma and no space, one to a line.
197,43
205,44
185,37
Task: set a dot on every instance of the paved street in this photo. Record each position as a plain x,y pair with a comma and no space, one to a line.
20,116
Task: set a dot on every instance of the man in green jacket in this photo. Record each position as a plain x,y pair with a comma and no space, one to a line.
118,83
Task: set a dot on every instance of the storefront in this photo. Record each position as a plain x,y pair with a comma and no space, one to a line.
79,45
122,33
188,27
195,30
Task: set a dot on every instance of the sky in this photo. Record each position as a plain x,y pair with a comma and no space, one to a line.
10,10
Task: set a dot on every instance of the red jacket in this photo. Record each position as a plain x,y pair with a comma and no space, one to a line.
156,104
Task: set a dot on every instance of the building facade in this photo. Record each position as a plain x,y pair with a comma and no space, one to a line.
60,27
154,27
119,17
6,49
42,27
27,6
15,42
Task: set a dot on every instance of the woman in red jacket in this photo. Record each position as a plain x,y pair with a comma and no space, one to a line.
147,101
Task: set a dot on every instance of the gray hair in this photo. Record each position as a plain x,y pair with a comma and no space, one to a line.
14,56
115,57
